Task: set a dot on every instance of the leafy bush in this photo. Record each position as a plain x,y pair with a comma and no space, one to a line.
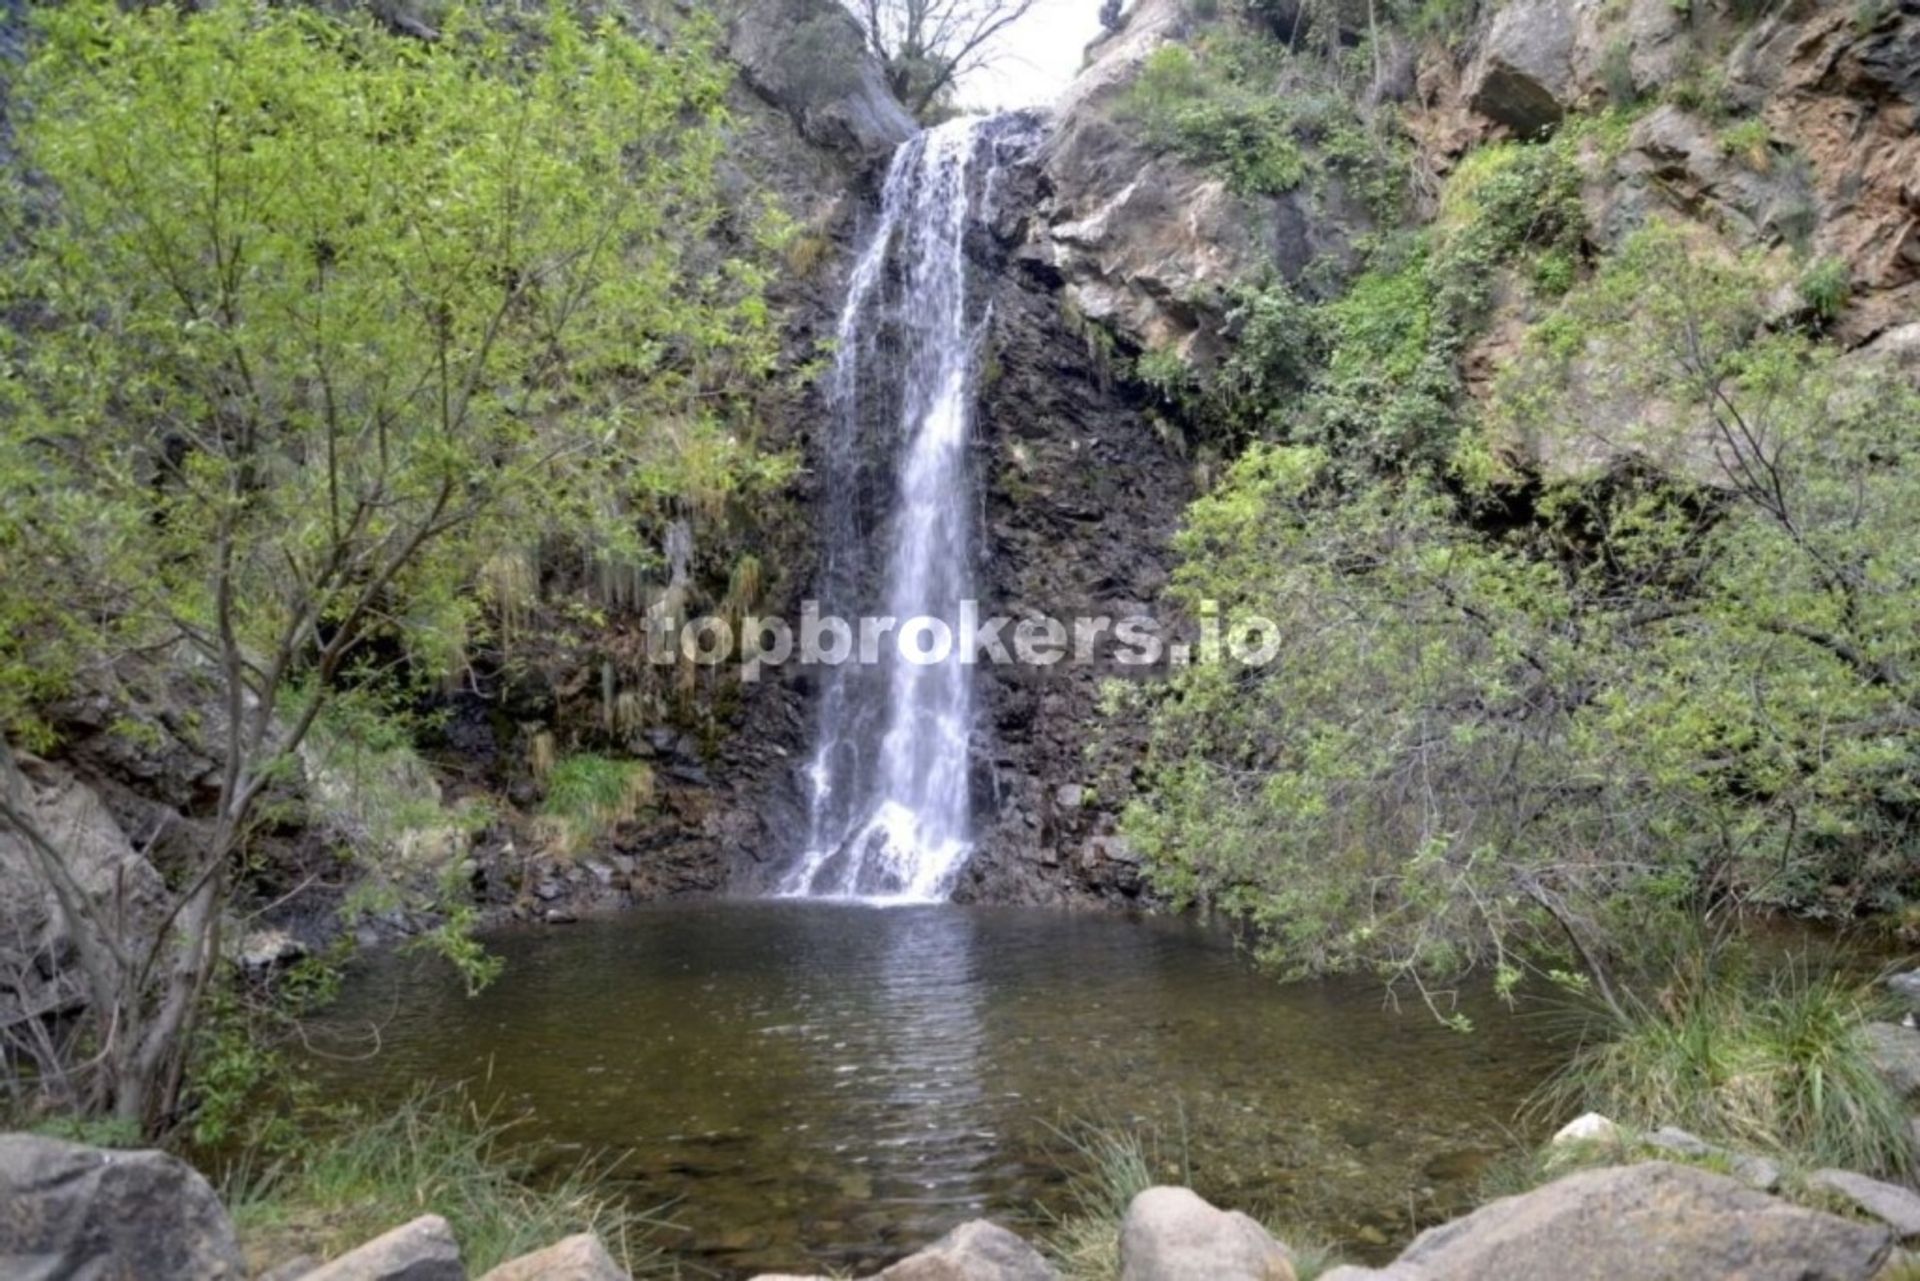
1187,104
1825,286
1750,142
1534,728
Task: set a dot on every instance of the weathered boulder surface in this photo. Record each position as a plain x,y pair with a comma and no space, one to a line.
1895,1206
103,864
975,1251
1907,986
421,1250
809,58
1652,1222
69,1212
1523,77
1171,1234
1146,244
1755,1171
1895,1051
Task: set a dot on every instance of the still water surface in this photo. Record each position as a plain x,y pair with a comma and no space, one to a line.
833,1085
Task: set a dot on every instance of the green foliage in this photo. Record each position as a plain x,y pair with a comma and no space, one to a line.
1825,286
588,795
1776,1064
313,323
1750,142
1218,115
352,1174
1616,73
1528,731
320,297
1267,119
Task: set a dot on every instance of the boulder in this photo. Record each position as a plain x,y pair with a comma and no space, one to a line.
1895,1051
1907,986
72,1211
976,1251
1523,77
1755,1171
1148,244
1171,1234
581,1257
1590,1127
809,58
1654,1222
1895,1206
37,941
422,1250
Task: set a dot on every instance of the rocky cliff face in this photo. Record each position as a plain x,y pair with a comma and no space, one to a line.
1104,248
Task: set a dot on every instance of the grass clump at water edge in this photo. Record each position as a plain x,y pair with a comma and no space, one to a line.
357,1174
1112,1165
1776,1064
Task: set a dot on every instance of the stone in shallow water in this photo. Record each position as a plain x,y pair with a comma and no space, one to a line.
1907,988
1171,1234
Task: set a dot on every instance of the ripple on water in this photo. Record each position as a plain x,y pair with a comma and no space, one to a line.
835,1084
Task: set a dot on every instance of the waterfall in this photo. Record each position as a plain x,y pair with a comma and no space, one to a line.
889,775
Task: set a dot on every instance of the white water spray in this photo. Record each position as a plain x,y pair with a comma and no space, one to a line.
889,777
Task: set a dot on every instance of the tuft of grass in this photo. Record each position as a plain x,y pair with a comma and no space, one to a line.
1776,1065
1112,1165
588,795
360,1174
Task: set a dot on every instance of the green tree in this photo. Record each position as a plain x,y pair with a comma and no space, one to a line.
1665,690
316,320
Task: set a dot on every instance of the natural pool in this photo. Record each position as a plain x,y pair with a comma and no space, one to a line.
821,1085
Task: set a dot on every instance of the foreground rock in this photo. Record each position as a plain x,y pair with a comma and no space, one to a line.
1653,1222
1756,1171
423,1250
1907,987
1897,1207
1895,1051
577,1258
1170,1234
975,1251
68,1210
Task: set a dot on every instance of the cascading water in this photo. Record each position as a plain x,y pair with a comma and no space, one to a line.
889,776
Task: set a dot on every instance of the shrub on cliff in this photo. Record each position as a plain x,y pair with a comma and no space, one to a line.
1513,727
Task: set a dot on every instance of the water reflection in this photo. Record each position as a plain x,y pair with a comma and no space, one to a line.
830,1084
